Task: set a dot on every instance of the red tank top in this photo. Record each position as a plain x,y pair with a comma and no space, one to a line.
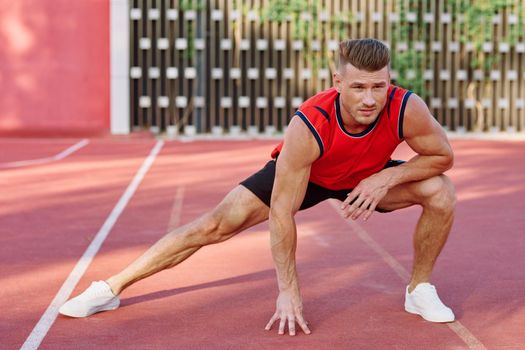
348,158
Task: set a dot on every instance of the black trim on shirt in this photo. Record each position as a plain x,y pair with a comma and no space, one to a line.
342,125
323,112
390,100
313,130
402,114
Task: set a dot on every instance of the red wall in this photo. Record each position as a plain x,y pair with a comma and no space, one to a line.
54,67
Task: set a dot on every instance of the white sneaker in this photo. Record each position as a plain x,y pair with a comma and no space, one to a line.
98,297
425,302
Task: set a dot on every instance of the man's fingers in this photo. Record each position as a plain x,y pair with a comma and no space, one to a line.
270,323
364,206
281,325
303,324
349,198
357,213
291,325
356,205
370,210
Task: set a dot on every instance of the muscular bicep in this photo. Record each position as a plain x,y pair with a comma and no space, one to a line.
300,150
422,132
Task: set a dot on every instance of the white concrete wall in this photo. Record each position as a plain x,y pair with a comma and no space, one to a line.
119,67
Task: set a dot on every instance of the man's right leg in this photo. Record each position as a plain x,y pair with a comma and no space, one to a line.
239,210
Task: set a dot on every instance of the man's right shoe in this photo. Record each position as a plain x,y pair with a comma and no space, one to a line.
98,297
424,301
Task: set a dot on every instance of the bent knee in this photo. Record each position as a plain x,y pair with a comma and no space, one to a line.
206,229
216,226
438,193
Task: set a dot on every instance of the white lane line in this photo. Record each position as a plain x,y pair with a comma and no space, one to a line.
461,331
176,210
48,318
469,338
70,150
56,157
308,232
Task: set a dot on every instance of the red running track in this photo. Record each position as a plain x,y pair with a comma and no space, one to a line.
222,297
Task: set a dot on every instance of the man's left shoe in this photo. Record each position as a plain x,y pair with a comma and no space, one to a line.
425,302
98,297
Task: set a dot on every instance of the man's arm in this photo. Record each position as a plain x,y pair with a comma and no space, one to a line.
291,180
434,156
428,139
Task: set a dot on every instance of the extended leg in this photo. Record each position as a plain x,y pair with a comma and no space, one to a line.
239,210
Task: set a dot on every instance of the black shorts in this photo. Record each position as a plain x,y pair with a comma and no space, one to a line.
261,184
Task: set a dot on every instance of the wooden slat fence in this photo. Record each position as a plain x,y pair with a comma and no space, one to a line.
235,67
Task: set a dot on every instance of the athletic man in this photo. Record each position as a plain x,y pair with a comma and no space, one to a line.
338,145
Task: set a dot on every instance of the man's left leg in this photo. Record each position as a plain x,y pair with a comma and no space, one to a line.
437,197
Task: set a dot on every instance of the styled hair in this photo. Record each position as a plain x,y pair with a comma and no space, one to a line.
369,55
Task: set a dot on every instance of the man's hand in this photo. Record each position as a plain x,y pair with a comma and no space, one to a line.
365,197
289,307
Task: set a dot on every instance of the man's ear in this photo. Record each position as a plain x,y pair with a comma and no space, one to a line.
337,80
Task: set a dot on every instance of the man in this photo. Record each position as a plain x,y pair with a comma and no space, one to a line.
338,145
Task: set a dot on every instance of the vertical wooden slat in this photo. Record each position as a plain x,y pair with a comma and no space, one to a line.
510,90
504,102
321,68
252,56
352,29
162,66
170,63
385,24
273,86
521,69
520,58
287,64
284,86
244,66
224,64
181,64
472,114
264,83
389,26
280,93
459,68
372,26
151,88
436,58
295,65
447,70
218,112
189,113
305,56
143,63
228,61
235,56
198,103
497,113
157,53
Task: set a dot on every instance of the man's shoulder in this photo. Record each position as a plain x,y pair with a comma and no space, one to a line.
396,92
397,100
319,109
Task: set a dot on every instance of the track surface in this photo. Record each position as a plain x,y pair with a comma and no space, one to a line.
222,297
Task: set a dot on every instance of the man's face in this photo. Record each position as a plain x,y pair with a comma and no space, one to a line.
363,94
